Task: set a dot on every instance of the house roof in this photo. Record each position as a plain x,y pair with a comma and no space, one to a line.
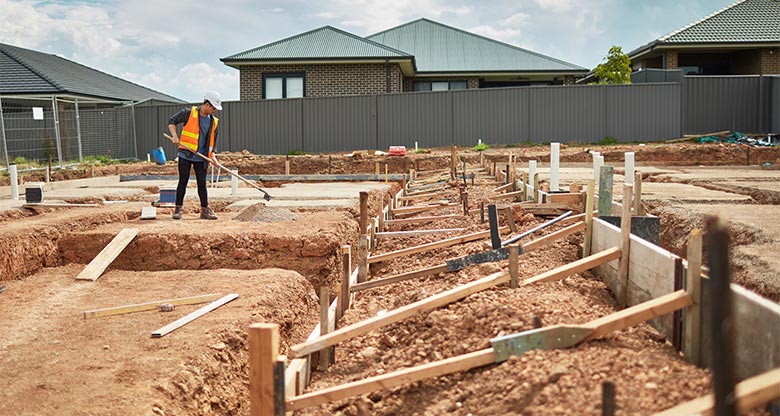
24,71
746,21
441,48
323,43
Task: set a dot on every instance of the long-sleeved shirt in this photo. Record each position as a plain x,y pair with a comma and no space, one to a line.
203,138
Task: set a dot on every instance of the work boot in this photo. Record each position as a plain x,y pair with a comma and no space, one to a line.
207,214
177,213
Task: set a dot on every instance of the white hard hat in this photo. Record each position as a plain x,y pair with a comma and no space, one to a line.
214,98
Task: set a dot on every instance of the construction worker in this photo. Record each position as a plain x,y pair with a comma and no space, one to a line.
198,134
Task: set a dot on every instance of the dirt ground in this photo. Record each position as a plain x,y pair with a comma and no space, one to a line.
61,363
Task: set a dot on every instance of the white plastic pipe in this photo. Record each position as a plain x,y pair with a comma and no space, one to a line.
14,182
531,170
629,174
599,162
234,183
555,159
415,147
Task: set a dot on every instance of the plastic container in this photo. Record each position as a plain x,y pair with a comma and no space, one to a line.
159,156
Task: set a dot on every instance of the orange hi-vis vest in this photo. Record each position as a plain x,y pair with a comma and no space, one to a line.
191,132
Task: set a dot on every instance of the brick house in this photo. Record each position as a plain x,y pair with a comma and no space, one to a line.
741,39
422,55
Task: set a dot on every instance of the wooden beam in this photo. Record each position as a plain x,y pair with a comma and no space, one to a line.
421,219
362,258
750,394
399,314
502,188
575,267
625,244
53,205
508,195
416,209
563,232
413,233
193,316
587,243
419,196
442,268
148,306
98,265
570,198
692,335
638,313
514,253
263,354
432,246
388,381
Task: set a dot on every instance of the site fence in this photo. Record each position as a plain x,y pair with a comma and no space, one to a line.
519,115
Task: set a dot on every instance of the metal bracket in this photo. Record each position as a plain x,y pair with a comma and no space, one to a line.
548,338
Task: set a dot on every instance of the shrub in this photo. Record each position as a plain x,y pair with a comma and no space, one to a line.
481,147
607,140
295,152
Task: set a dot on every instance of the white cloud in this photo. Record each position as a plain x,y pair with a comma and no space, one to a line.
558,6
507,35
201,77
517,19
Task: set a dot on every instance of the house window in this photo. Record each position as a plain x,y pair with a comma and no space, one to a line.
440,85
283,86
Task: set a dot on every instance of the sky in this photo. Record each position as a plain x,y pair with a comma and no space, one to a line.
175,46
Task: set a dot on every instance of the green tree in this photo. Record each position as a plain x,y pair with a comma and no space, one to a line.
616,69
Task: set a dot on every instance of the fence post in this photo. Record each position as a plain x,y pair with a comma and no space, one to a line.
263,353
2,131
55,111
78,132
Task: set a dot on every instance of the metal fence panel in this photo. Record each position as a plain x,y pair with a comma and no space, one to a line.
424,117
339,123
721,103
261,127
643,112
151,122
27,137
774,106
104,132
567,114
498,116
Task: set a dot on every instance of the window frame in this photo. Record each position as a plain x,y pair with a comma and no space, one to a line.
432,81
283,76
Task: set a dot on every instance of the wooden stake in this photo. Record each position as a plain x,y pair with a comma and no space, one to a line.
363,213
362,258
605,191
510,219
376,168
514,253
587,243
324,304
280,388
482,212
346,272
625,243
638,208
537,195
692,337
722,323
523,186
453,161
403,184
607,398
495,236
286,167
263,353
466,203
382,214
387,173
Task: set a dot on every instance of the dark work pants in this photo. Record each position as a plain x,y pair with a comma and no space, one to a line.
184,177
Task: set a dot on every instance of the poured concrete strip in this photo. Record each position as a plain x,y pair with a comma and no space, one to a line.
357,177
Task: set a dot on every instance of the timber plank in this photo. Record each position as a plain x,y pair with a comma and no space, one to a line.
433,246
184,320
110,252
148,306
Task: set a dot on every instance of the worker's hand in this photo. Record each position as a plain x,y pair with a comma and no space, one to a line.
214,159
175,139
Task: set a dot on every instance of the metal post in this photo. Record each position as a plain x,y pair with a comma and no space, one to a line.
56,128
78,133
2,131
135,133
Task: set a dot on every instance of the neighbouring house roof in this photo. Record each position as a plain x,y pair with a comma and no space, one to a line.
24,71
325,43
743,22
439,48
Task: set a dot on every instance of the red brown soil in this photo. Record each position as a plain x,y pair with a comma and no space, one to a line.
676,154
53,361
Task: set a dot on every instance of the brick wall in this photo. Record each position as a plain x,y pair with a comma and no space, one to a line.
770,61
325,79
671,60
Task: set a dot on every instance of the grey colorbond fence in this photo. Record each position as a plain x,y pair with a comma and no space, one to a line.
639,112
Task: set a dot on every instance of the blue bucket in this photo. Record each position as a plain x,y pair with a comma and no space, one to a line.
159,155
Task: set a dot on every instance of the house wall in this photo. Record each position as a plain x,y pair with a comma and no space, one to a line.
671,60
770,61
325,79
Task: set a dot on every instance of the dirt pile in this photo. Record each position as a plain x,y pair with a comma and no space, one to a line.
262,213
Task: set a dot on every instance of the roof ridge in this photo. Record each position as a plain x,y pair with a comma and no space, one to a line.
300,35
20,61
399,26
488,39
710,16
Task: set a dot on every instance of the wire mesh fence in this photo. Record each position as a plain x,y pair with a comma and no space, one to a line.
36,132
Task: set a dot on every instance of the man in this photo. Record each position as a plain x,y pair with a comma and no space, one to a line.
198,134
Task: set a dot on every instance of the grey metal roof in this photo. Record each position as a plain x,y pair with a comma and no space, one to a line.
441,48
24,71
746,21
326,42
